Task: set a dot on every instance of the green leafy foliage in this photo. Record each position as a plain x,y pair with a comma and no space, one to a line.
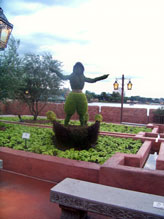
159,111
123,128
109,127
51,116
41,142
98,117
28,78
10,70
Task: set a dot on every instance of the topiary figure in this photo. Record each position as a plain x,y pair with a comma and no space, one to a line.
86,118
51,116
98,118
76,100
78,137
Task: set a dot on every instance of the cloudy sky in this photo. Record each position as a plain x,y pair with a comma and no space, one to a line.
108,36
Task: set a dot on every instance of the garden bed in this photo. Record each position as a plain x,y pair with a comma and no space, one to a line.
41,142
122,170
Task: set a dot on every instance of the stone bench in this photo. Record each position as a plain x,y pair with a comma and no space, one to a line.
76,198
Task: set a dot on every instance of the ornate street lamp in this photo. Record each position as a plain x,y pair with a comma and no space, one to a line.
116,86
129,85
5,30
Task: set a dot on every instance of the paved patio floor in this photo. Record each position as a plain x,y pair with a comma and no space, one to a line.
22,197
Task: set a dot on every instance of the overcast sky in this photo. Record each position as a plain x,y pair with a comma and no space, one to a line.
108,36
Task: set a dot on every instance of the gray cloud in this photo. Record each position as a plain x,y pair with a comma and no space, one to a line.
17,7
54,2
27,46
36,40
58,39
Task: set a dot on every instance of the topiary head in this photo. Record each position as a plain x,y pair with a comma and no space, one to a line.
78,68
98,117
51,116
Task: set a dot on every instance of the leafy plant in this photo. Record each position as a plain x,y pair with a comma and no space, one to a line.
51,116
41,142
159,111
98,117
109,127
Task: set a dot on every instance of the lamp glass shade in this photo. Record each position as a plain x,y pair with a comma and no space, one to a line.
5,30
115,85
129,85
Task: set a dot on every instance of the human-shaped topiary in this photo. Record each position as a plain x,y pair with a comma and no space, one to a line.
76,100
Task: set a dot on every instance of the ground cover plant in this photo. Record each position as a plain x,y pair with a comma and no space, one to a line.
41,142
103,126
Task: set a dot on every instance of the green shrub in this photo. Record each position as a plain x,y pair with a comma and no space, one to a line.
98,117
159,111
51,116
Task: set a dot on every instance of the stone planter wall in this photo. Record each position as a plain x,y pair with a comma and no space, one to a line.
48,167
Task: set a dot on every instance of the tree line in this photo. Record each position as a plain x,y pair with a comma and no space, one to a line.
115,97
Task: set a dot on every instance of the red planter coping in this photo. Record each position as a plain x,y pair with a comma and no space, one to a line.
160,158
138,160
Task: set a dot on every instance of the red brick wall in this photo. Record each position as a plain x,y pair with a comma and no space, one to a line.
151,115
136,115
131,115
110,114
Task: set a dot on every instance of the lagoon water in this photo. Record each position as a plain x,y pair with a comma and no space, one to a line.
146,106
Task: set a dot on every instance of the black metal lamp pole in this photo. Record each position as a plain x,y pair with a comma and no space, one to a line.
122,98
116,86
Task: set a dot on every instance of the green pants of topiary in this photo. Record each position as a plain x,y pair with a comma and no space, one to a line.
76,102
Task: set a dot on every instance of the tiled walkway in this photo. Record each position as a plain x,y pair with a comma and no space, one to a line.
22,197
25,198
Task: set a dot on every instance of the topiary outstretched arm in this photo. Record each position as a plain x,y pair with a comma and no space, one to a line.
63,77
93,80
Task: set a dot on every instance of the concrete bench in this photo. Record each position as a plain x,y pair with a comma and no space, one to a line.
76,198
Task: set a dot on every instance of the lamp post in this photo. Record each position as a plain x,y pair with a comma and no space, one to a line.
116,86
5,30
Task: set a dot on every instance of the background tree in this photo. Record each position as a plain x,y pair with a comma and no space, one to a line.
91,95
27,78
115,97
10,69
38,81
